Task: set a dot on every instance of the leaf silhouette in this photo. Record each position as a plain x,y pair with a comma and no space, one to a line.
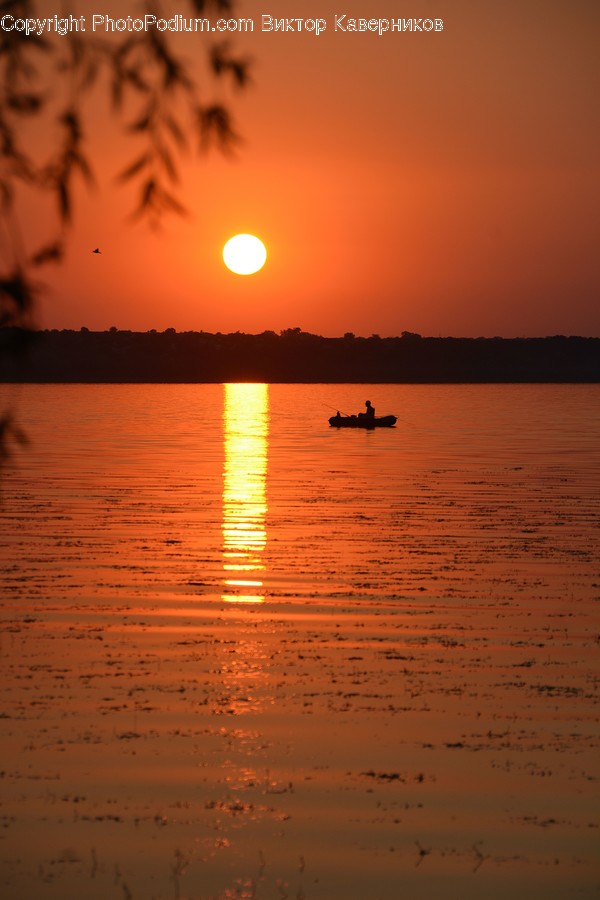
176,131
50,253
223,63
148,192
135,167
215,124
6,195
167,162
78,160
24,104
64,199
18,290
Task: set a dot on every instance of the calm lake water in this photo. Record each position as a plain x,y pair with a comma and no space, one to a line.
246,655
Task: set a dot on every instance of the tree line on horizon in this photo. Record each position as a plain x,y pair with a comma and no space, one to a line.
293,355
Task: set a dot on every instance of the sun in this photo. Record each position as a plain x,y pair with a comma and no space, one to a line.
244,254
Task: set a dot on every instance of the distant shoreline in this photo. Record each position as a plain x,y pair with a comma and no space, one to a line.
293,356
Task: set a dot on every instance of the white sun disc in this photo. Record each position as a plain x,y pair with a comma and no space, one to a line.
244,254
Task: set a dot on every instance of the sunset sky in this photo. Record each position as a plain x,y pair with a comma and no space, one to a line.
444,183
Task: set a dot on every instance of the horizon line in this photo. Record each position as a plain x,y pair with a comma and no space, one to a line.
297,332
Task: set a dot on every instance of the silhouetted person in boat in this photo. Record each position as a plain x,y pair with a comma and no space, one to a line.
369,412
97,250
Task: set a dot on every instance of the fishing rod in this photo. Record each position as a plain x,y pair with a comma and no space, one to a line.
335,408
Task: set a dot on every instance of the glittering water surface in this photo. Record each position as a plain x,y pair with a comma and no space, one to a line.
246,655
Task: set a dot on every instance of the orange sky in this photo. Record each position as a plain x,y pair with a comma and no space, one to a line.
444,183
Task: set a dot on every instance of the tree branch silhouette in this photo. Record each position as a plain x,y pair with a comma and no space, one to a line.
47,81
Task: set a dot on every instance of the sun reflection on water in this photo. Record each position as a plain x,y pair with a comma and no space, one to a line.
246,430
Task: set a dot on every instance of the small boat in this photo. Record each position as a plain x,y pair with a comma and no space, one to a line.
362,421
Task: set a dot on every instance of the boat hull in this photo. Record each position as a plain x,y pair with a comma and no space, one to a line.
362,422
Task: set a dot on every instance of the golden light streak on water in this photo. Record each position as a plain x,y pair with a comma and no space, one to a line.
246,432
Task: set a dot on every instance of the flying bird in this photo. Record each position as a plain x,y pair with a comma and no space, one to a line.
96,250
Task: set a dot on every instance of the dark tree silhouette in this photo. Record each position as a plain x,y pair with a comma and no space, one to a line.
48,82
